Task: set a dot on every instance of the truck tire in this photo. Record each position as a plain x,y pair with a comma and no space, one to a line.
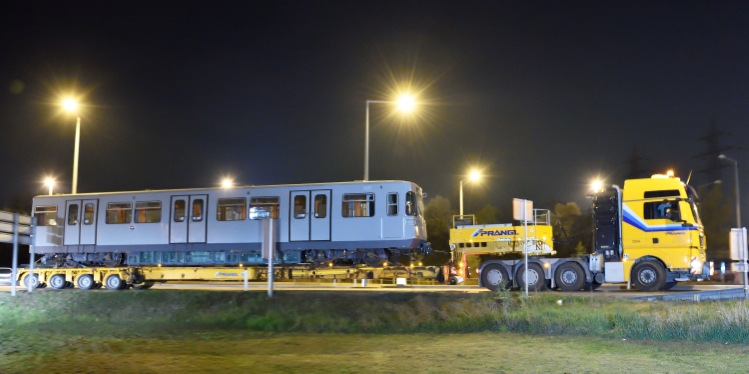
85,282
536,278
494,277
649,276
114,282
569,277
57,281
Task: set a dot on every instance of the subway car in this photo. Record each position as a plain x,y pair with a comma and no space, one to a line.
368,222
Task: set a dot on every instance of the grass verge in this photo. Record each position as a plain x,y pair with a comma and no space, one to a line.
125,314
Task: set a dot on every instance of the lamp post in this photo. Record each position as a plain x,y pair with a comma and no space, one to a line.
736,186
71,105
405,103
473,176
49,182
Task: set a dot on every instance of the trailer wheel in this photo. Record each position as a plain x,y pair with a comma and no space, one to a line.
494,277
114,282
649,276
143,286
32,280
57,281
85,282
536,278
569,277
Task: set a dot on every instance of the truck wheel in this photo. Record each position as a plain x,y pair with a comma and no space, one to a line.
569,277
536,278
494,277
85,282
114,282
57,281
649,276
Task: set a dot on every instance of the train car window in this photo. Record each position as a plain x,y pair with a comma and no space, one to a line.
264,207
179,210
321,206
231,209
119,213
148,211
300,206
46,215
358,205
392,203
197,210
73,214
88,214
411,206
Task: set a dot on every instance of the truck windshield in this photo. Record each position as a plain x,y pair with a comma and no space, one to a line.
693,199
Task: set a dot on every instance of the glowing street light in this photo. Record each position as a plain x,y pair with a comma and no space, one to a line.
227,183
71,105
596,185
404,103
473,176
49,182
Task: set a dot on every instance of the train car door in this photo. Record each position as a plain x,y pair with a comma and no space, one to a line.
72,234
88,223
299,216
320,220
188,219
196,232
178,219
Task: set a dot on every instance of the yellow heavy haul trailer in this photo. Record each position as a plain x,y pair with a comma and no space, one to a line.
144,277
647,234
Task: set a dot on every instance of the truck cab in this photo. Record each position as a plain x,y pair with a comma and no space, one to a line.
649,233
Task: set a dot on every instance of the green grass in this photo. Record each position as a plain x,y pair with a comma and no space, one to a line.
321,312
242,352
201,331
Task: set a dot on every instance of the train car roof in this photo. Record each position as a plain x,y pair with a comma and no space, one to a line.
227,188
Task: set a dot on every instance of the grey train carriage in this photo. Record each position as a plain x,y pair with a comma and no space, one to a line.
345,223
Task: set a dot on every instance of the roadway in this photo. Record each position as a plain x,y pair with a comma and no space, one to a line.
682,292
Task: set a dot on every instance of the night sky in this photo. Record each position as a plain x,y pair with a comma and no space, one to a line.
544,96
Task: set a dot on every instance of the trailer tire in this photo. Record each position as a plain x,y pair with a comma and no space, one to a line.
569,277
649,276
85,282
113,282
32,279
143,286
494,277
57,281
536,277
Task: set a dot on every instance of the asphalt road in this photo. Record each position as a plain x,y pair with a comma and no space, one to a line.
682,292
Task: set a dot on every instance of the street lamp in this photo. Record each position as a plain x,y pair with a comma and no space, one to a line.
71,105
473,176
736,185
405,103
227,183
49,182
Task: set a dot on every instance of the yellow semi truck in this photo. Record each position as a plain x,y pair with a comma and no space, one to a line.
648,234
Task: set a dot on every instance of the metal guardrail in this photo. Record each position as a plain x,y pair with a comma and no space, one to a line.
17,229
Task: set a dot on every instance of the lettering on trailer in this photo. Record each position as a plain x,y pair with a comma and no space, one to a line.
676,233
482,232
220,274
